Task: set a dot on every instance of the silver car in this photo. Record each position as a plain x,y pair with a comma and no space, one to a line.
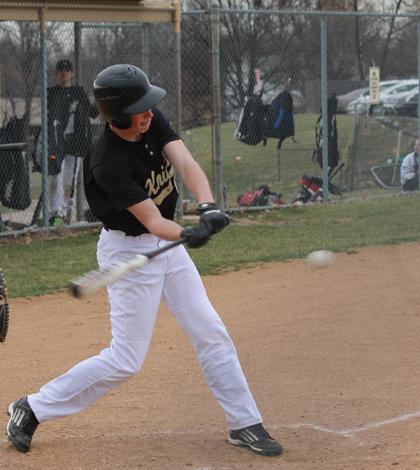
344,100
363,105
400,96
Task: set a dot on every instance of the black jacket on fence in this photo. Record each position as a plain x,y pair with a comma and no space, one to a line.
14,173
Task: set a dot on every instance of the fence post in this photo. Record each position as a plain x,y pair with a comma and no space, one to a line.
324,109
418,77
44,120
77,69
215,56
179,212
145,48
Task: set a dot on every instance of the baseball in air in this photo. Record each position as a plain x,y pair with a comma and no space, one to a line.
321,258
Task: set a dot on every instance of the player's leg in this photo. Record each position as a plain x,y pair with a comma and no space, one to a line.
56,195
134,303
67,170
59,197
186,297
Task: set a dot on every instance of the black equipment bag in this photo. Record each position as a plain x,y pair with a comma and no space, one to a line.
280,119
251,123
14,173
259,122
333,153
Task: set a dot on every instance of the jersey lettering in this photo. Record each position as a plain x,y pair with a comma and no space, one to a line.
155,185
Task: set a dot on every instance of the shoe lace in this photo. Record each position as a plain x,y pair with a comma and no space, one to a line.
260,432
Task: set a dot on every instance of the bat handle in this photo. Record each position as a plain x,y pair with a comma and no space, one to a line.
158,251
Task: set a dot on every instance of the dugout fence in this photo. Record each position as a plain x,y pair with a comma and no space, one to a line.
209,72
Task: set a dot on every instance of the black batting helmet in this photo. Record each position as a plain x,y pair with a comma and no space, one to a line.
122,90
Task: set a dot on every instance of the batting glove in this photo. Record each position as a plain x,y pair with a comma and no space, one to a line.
213,218
196,236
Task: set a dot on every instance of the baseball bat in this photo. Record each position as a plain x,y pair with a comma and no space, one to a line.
93,280
73,188
18,146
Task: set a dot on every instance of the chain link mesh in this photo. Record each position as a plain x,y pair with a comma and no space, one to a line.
259,52
284,51
89,47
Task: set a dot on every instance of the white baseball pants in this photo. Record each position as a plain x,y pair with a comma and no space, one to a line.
59,200
134,302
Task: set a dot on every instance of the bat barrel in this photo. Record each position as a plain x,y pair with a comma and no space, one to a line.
94,280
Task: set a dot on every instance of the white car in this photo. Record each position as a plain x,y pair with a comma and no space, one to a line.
399,96
344,100
362,104
409,107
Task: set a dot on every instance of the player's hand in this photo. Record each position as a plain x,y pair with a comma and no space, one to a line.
212,217
196,236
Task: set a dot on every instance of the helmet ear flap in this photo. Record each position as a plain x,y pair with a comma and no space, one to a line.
122,122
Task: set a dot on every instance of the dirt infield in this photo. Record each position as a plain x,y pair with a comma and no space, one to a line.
332,357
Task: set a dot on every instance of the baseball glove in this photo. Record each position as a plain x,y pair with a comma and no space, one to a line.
4,309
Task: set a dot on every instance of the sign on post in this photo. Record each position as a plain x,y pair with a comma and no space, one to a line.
374,78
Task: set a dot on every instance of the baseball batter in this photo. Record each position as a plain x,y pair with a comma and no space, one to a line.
130,186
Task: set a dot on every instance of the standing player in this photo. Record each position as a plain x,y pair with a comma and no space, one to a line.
69,113
130,187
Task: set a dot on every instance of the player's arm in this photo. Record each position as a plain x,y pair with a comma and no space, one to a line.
149,215
189,171
197,183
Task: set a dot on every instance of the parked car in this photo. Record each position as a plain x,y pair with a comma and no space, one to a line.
344,100
408,107
362,104
399,96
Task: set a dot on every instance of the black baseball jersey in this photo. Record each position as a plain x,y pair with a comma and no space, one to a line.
61,99
119,174
71,109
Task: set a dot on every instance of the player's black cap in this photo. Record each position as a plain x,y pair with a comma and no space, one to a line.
63,65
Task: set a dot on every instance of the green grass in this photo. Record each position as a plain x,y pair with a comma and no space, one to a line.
39,266
281,171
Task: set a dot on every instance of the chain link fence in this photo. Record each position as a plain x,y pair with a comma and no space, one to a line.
85,49
228,57
265,52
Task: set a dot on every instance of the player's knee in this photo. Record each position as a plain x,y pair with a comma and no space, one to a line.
129,359
130,369
211,354
215,340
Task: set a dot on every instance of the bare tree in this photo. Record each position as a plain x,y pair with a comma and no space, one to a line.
20,54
